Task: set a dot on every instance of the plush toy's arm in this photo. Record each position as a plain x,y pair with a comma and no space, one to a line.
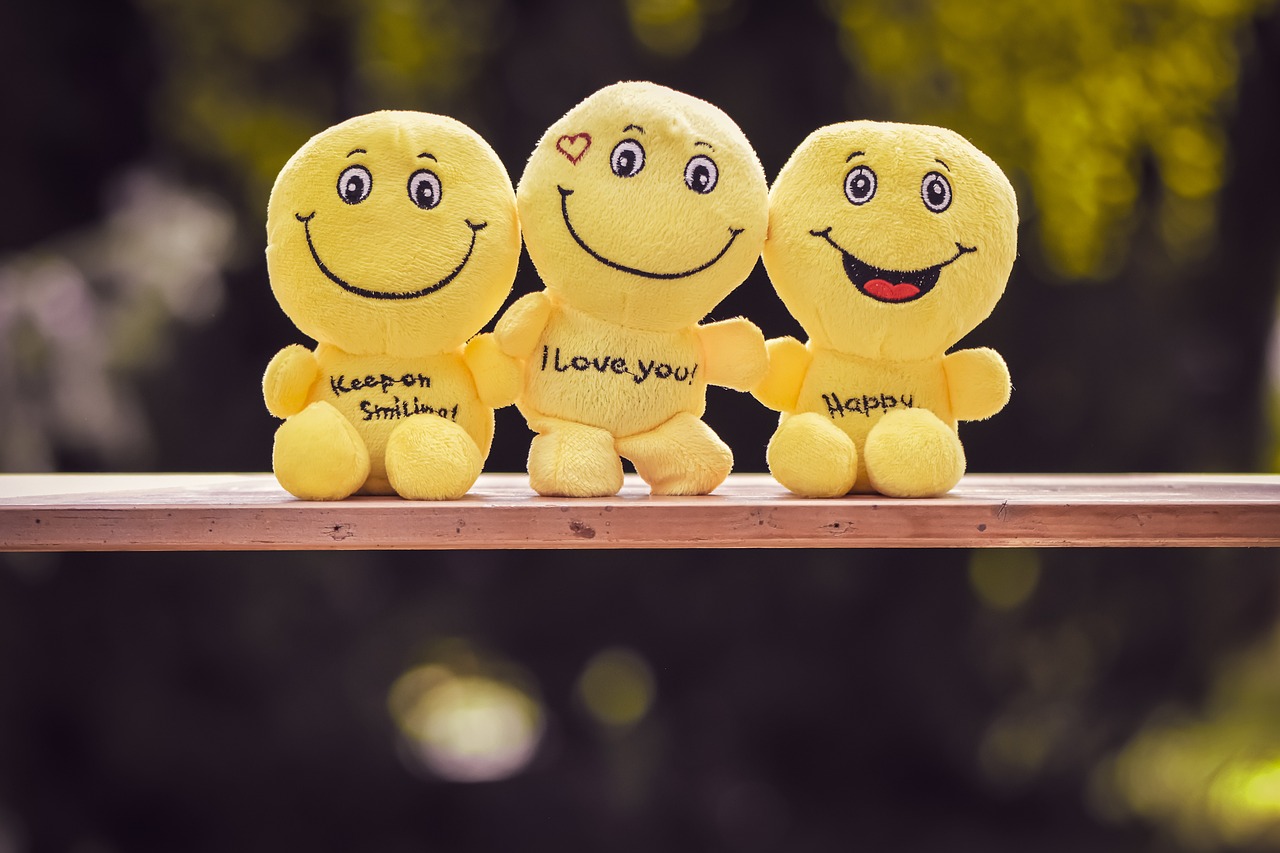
735,353
518,331
978,380
288,380
497,375
788,363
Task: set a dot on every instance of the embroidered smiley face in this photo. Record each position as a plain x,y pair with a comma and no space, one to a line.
392,232
890,240
354,185
628,159
886,285
656,218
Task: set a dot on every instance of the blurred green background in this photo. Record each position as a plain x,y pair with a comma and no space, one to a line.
993,701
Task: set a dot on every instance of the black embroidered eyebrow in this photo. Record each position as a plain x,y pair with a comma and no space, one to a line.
633,127
357,151
707,144
944,165
425,154
855,154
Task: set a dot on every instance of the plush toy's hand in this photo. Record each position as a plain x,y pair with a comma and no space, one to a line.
498,376
788,363
518,331
288,380
979,383
736,357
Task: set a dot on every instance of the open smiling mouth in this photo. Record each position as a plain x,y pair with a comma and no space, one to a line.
891,285
380,294
564,211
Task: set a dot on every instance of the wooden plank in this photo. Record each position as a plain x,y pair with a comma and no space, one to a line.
183,512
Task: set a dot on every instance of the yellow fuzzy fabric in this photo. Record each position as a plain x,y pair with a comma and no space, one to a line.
642,208
392,238
888,243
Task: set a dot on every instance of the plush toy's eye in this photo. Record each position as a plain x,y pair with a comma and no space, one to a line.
424,189
354,184
627,158
860,185
701,174
936,192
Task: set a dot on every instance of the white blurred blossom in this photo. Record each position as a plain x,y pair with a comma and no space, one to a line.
84,315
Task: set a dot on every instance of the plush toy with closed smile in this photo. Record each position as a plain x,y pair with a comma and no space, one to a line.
642,208
392,238
888,243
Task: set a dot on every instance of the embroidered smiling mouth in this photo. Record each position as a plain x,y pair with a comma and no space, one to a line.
564,211
891,285
382,294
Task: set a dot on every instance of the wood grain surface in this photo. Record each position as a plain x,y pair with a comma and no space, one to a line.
211,512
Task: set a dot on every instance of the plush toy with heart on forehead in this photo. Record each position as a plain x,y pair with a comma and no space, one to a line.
889,243
642,208
392,238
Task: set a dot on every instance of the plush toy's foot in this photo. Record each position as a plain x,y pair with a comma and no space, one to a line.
681,457
812,457
574,461
431,459
318,455
912,454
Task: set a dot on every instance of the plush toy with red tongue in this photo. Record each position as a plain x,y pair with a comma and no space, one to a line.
888,243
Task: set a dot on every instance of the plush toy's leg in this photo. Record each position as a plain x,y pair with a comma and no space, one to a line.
912,454
574,460
680,457
318,455
812,457
431,459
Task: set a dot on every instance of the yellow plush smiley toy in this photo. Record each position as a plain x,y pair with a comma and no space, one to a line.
392,238
888,243
641,208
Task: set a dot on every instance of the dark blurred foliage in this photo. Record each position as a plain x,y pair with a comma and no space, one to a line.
1057,700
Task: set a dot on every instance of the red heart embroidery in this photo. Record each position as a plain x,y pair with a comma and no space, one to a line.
574,146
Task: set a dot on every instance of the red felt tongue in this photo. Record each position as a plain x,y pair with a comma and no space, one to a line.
881,289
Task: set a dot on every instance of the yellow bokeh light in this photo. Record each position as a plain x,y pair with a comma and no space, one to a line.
1212,780
666,27
1261,790
411,53
466,727
1003,580
1245,797
617,687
